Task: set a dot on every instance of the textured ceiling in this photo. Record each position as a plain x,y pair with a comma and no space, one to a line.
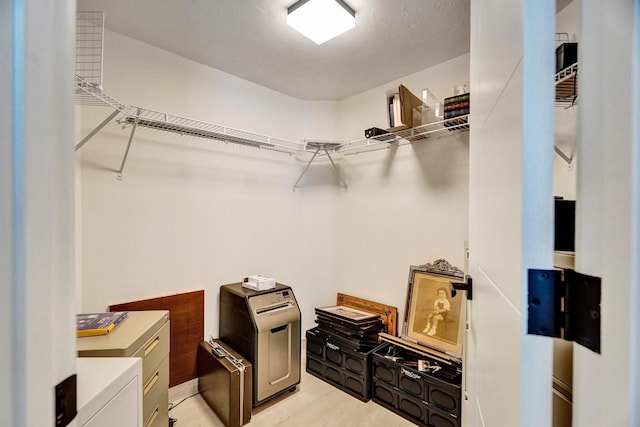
250,39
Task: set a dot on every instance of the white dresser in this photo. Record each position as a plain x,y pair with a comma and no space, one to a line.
109,392
143,334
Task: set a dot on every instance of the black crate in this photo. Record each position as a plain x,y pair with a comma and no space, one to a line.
410,407
330,359
432,399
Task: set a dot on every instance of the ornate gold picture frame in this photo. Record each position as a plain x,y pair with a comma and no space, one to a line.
432,316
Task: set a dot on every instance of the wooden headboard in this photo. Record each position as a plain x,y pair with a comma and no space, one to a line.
186,314
388,314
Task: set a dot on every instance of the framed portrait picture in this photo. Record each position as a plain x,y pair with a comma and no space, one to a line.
432,316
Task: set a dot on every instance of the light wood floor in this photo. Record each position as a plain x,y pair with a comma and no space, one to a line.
314,403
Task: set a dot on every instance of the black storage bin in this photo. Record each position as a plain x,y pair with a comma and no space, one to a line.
566,55
425,398
333,360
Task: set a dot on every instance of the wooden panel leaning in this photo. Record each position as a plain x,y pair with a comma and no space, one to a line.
388,314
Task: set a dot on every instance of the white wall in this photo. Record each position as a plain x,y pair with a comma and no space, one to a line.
566,118
36,209
406,205
194,214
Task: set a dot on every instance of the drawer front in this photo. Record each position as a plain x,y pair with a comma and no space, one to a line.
154,388
160,413
412,408
153,352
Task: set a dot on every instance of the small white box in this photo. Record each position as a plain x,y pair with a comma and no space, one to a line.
258,283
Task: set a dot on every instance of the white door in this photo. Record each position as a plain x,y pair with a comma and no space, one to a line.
511,209
37,324
605,386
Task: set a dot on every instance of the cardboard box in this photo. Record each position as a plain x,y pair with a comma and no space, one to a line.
404,109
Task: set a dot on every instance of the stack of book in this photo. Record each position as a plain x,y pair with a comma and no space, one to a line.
92,324
456,110
356,328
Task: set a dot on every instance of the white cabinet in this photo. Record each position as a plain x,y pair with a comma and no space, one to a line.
144,335
109,392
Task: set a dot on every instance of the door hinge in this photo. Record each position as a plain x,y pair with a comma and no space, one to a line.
462,286
567,308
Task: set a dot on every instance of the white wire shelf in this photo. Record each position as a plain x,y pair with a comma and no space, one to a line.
439,129
190,127
92,94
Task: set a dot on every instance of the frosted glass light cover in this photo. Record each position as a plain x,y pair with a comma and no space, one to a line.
321,20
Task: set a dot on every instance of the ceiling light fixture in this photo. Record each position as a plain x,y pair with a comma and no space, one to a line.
321,20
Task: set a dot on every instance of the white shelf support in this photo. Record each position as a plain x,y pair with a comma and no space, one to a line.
562,155
321,146
126,153
96,130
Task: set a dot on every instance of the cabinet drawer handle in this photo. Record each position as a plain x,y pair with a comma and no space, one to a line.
151,383
152,418
151,346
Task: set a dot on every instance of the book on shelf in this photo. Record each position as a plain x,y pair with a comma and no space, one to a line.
404,109
92,324
457,106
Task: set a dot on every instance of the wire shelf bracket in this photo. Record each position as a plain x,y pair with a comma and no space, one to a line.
324,146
